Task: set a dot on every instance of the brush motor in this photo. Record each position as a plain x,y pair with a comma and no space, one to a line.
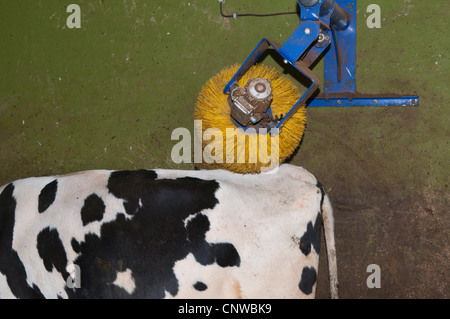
249,104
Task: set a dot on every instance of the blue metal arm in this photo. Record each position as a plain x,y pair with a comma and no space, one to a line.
325,29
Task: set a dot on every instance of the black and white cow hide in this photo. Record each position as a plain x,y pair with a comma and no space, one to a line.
165,234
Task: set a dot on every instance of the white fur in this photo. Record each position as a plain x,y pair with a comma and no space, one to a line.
263,216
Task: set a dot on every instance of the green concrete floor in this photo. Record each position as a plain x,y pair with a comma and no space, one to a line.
110,94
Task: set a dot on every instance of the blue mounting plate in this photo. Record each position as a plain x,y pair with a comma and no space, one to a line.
340,77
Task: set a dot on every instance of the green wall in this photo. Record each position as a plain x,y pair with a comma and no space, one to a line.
108,95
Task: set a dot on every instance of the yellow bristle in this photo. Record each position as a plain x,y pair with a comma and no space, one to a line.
213,109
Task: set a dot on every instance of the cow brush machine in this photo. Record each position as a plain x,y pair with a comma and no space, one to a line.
262,102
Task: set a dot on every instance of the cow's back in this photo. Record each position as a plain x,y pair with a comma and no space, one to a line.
161,234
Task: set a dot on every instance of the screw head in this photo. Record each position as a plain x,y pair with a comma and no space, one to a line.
260,88
309,3
307,30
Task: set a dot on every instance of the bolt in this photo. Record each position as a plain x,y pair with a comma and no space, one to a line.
339,101
375,101
309,3
307,30
260,88
285,61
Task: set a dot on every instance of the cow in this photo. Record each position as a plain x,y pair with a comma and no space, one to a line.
160,233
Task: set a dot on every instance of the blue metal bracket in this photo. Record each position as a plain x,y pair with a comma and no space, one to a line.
363,101
339,87
327,28
340,61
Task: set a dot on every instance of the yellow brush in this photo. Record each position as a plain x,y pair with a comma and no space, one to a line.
246,152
